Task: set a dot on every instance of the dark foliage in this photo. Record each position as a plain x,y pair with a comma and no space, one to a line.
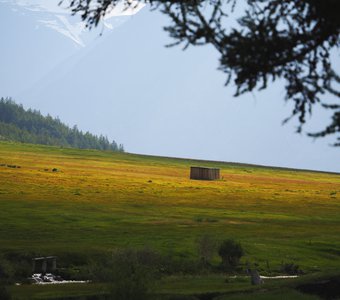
128,272
6,272
4,294
287,39
29,126
230,252
291,269
206,246
327,288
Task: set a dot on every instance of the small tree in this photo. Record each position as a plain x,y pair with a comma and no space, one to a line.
206,246
132,274
7,272
231,253
129,273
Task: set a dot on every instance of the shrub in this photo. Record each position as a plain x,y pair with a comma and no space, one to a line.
131,275
291,269
6,272
4,294
175,264
230,252
206,246
128,272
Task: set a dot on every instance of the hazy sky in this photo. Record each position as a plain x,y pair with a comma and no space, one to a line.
155,100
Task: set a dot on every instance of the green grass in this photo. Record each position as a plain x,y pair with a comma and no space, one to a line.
179,287
284,294
102,200
98,201
37,292
188,285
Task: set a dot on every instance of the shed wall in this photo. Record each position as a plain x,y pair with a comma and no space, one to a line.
202,173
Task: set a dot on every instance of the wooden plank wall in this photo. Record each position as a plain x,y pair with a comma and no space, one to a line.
202,173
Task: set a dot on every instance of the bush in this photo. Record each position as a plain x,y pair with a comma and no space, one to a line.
230,252
128,272
19,265
131,275
172,264
291,269
206,246
4,294
6,272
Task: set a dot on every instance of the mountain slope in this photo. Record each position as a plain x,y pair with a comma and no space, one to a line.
98,201
29,126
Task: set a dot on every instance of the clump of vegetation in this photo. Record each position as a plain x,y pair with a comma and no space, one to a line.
200,219
211,220
230,252
128,272
6,271
4,294
13,166
206,248
14,266
291,269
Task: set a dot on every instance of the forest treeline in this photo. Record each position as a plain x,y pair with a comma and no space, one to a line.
30,126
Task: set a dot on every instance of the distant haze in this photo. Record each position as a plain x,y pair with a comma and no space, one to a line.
155,100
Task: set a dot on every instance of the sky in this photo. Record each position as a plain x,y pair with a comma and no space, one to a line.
121,81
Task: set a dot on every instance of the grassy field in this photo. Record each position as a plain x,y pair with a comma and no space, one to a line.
98,201
173,285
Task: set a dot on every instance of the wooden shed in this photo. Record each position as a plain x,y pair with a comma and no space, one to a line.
203,173
44,265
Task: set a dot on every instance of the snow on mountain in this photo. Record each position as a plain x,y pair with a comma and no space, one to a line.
57,17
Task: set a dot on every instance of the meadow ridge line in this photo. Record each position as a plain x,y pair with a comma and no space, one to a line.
234,163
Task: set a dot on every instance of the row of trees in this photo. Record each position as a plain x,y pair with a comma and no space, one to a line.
131,273
30,126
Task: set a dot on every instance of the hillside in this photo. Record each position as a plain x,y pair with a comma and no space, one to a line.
82,204
139,200
29,126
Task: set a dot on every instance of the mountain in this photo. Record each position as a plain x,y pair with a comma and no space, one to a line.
30,126
55,15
